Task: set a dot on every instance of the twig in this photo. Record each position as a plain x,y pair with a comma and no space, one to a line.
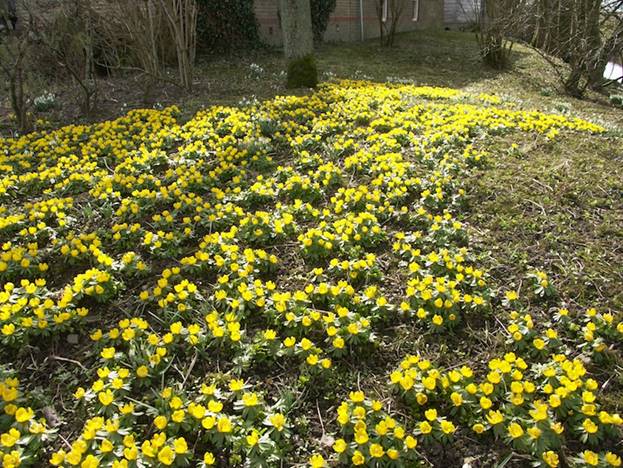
73,361
190,368
65,441
320,418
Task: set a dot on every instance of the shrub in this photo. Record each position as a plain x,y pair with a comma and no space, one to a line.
302,72
617,100
320,12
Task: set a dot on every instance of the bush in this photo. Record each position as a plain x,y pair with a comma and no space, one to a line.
617,100
320,12
302,72
226,25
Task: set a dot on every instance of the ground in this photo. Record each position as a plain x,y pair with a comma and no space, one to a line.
191,299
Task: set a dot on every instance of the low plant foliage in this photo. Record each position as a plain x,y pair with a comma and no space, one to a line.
219,271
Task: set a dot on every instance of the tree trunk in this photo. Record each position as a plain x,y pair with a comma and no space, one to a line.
543,24
298,43
597,55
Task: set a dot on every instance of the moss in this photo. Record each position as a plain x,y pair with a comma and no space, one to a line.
302,73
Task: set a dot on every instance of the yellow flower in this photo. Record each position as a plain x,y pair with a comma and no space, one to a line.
339,446
209,459
551,458
215,406
361,437
590,458
142,372
376,451
478,428
10,438
589,426
24,414
447,427
57,458
160,422
106,446
108,353
515,430
208,423
235,385
431,414
494,417
223,425
512,295
278,421
457,399
316,461
180,445
250,399
253,438
166,456
90,461
612,459
425,427
534,432
106,397
410,442
358,459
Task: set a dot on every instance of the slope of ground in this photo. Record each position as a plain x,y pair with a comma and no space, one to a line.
294,277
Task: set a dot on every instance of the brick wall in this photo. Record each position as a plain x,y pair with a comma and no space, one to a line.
266,12
345,21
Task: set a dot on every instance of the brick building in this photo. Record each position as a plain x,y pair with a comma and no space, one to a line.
352,20
355,20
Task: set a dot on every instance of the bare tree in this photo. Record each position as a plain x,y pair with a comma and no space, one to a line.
140,22
497,23
182,19
14,51
68,32
389,13
577,38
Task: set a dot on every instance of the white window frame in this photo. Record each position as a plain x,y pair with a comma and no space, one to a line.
385,8
416,10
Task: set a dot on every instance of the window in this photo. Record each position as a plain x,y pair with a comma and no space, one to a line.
416,10
385,6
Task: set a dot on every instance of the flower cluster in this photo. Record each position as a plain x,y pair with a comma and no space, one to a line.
268,240
221,416
22,433
533,407
29,309
369,436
